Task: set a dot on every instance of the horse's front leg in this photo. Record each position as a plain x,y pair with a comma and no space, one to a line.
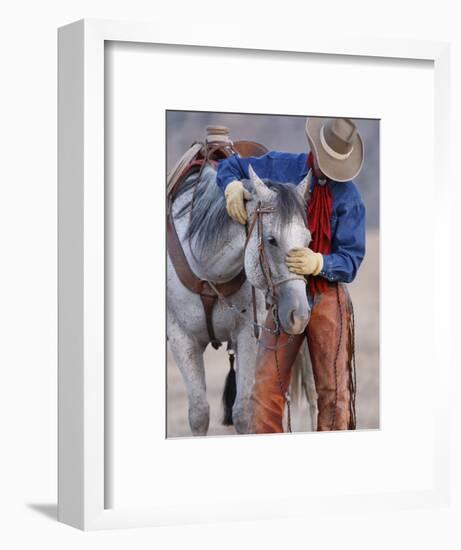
188,354
246,347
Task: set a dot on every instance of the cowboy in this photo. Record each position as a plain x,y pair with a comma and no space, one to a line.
336,220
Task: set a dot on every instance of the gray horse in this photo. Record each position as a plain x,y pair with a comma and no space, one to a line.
215,249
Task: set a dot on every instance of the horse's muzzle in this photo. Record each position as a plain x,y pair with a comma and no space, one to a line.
293,308
295,323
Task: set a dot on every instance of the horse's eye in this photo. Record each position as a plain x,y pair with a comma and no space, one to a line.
272,240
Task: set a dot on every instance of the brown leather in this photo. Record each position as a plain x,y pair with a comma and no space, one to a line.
250,148
268,400
332,384
257,222
208,302
176,173
325,339
212,152
194,283
244,148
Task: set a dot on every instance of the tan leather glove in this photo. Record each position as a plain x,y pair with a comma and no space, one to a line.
304,261
235,195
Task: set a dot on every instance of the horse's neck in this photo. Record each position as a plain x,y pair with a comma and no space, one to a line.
224,262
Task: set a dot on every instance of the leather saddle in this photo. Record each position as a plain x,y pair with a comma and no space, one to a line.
192,161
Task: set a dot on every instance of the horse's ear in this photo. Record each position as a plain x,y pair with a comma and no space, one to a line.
262,191
304,186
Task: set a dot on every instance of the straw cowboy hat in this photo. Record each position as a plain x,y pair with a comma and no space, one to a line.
337,146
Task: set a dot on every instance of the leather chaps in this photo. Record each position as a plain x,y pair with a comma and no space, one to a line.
330,345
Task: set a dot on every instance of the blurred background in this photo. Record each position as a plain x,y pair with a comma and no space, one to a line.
286,133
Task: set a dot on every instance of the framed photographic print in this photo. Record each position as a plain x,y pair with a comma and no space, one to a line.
194,399
231,291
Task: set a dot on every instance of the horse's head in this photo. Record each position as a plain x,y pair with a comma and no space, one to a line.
277,224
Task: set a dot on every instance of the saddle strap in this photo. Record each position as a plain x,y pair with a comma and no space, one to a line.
208,303
179,260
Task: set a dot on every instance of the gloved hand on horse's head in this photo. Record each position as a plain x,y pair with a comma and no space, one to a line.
304,261
235,195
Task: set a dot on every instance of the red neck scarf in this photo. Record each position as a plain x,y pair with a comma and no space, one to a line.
319,209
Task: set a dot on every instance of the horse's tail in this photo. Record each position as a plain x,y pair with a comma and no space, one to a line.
303,384
230,391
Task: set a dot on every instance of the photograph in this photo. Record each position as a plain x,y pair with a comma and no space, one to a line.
273,262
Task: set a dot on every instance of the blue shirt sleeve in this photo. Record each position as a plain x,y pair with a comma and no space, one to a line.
348,240
276,166
236,168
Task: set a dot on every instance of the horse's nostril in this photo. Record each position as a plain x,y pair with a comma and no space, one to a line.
296,318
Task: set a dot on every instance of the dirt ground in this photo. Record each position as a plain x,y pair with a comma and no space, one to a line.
365,296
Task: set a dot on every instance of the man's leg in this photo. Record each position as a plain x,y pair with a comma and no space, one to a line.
268,395
330,344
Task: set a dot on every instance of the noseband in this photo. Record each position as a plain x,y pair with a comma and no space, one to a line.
257,221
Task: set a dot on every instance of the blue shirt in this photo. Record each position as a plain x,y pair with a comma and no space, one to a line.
348,212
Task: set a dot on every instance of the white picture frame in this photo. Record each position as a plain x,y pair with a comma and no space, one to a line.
82,479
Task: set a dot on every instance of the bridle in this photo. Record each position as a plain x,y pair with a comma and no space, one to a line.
257,221
271,285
